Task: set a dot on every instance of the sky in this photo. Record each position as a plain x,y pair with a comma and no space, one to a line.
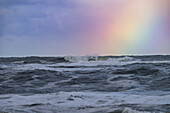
84,27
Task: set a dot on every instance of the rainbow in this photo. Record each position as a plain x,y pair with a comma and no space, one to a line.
127,26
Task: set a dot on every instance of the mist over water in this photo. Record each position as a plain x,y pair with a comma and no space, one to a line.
85,84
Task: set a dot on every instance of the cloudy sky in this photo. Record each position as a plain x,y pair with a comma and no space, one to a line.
84,27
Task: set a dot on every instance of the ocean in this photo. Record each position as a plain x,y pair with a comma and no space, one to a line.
85,84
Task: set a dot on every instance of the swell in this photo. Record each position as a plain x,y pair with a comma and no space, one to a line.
141,77
29,60
36,59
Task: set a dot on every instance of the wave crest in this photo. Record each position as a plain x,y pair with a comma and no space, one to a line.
75,59
129,110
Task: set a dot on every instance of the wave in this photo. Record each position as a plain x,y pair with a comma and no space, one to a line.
103,84
126,58
129,110
96,58
31,60
80,58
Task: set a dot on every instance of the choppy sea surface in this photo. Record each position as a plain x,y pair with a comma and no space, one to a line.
85,84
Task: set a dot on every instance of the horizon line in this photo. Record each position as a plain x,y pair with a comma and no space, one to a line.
85,55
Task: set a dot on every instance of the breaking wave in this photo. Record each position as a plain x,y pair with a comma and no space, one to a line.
75,59
129,110
80,58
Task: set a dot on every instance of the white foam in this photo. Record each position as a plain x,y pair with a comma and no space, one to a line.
85,61
126,59
18,62
80,58
154,62
129,110
124,83
91,101
50,67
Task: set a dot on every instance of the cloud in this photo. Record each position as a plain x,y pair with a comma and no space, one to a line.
57,3
33,17
43,17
